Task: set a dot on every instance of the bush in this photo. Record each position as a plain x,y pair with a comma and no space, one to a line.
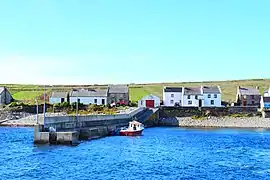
57,105
133,104
94,108
64,105
197,117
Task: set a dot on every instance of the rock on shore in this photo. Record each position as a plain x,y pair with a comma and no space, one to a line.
247,122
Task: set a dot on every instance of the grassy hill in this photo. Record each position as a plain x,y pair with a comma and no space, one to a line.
137,91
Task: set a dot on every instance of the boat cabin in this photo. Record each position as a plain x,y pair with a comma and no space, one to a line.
135,125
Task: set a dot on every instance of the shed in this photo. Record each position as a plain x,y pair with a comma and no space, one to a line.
59,97
149,101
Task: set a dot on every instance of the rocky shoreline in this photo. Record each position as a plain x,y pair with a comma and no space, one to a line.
218,122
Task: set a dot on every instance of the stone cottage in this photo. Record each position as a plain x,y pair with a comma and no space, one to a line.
118,94
5,96
248,96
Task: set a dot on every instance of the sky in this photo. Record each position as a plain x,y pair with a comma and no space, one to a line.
134,41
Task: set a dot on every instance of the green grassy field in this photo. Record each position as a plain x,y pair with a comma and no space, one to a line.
137,91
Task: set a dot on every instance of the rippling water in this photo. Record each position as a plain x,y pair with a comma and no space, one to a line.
162,153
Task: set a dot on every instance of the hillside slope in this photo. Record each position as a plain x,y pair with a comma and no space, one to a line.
137,91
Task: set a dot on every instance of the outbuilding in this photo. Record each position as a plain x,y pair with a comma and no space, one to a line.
149,101
59,97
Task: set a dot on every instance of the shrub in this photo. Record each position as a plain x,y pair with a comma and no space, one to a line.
64,105
133,104
197,117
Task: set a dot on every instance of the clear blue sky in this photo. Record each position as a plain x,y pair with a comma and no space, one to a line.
124,41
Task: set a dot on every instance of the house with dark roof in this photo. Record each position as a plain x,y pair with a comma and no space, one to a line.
203,96
267,93
118,94
265,103
86,97
5,96
248,96
211,96
172,96
192,96
59,97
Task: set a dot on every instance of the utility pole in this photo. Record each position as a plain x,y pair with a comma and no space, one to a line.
44,107
37,110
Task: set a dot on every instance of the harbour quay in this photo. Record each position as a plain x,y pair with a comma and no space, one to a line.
72,129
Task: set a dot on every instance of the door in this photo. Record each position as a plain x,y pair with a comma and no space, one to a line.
200,103
150,103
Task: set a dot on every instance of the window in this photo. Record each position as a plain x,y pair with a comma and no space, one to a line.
212,102
172,95
95,101
253,102
215,95
196,96
79,101
103,101
252,97
172,101
188,96
141,102
189,102
209,95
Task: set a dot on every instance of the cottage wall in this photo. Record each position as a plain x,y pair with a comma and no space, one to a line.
117,97
89,100
168,100
207,101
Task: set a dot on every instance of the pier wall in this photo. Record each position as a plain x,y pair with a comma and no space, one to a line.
170,112
71,129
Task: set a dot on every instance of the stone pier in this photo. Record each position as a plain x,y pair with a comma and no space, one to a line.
71,130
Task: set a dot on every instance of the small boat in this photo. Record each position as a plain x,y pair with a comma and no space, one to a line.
135,129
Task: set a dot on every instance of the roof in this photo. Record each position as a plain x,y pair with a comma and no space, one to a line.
2,89
173,89
59,94
92,93
211,90
248,91
118,88
266,99
192,91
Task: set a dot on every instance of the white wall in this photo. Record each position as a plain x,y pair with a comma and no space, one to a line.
176,99
267,94
89,100
207,101
195,102
142,102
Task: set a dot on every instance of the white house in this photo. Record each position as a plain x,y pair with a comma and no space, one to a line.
192,97
211,96
172,96
99,97
59,97
204,96
267,93
149,101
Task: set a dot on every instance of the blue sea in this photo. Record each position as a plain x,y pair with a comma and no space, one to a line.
161,153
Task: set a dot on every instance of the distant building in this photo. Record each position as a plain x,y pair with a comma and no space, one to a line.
5,96
118,94
203,96
211,96
59,97
248,96
86,97
192,97
172,96
267,93
265,103
149,101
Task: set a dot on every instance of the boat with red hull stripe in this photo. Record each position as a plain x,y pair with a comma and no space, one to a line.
135,129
